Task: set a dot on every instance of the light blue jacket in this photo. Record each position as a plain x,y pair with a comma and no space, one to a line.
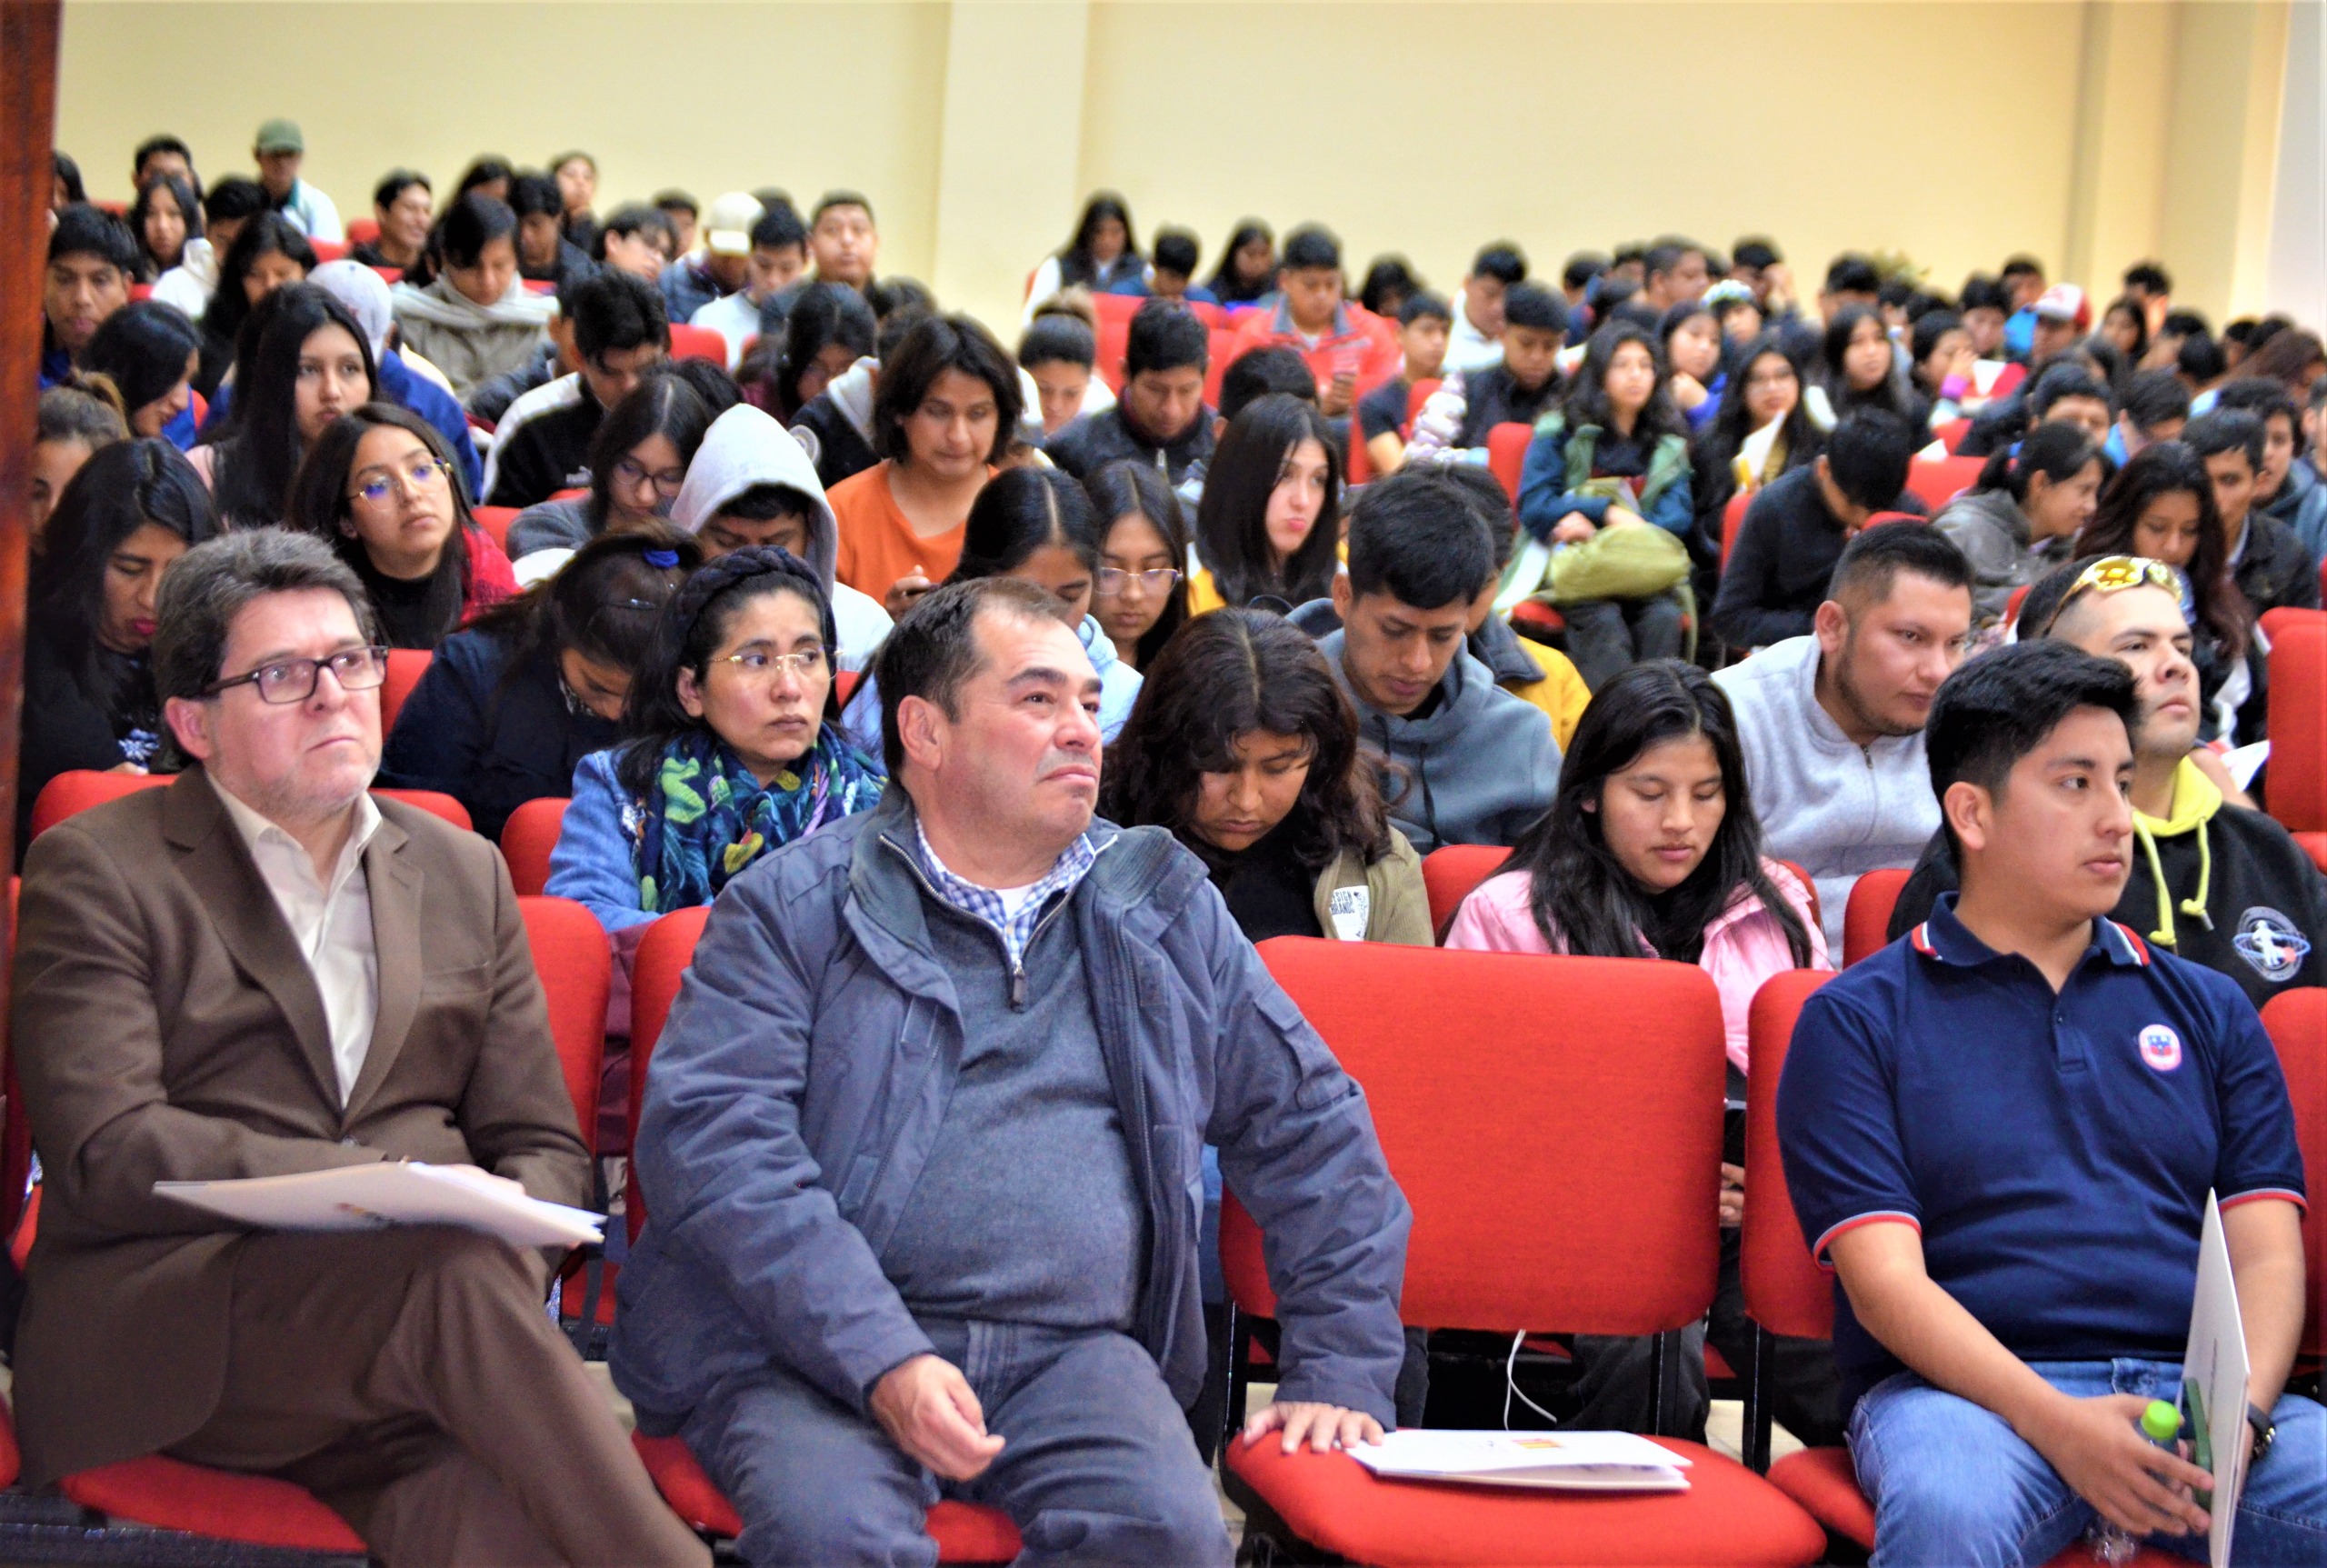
1118,689
799,1082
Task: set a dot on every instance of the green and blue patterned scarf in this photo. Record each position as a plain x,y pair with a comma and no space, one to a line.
707,817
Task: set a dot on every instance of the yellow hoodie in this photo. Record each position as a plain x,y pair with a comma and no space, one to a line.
2196,801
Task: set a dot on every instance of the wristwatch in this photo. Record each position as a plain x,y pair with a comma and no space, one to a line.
2264,1431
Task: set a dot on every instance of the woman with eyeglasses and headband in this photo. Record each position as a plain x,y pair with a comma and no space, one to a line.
638,460
379,486
1036,524
134,507
731,748
510,707
1141,596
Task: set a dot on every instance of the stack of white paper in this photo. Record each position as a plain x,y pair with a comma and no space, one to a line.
1565,1460
407,1192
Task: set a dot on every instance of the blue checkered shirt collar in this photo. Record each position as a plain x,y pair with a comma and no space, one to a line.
985,905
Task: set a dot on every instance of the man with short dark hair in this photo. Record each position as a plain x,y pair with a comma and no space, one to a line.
1463,760
2215,881
1159,418
544,252
1476,339
2005,1132
1172,270
260,971
163,154
1755,261
637,240
851,1303
1348,349
1424,323
680,210
844,239
280,149
1059,353
2022,278
1259,373
576,173
92,260
543,446
1673,272
2283,480
778,260
2266,561
1518,390
690,281
1794,530
1832,722
2155,408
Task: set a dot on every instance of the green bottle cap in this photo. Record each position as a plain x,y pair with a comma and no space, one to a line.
2160,1422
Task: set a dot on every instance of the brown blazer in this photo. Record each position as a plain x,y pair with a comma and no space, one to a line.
166,1029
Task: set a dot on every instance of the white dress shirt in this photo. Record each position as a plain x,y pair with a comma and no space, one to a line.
331,923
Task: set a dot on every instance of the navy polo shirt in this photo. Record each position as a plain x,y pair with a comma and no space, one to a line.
2053,1151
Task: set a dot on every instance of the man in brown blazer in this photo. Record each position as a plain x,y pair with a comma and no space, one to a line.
256,971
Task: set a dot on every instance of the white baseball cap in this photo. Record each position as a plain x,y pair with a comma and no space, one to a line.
727,226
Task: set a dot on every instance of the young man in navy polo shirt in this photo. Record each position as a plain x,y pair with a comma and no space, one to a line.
2000,1133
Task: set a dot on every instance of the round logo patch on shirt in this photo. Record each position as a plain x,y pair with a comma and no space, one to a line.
2160,1048
2273,946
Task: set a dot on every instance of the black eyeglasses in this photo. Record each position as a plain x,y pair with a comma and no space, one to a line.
288,680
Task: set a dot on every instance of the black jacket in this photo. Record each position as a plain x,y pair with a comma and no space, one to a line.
67,726
1096,440
491,745
1491,397
2274,571
2266,904
1786,549
839,449
546,454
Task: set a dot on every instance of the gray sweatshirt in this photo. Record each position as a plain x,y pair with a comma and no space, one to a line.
1991,531
1478,770
1833,808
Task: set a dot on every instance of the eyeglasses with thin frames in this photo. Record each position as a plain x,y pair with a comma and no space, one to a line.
418,476
763,663
288,680
1114,580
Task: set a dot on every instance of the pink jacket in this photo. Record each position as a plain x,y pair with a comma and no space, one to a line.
1743,948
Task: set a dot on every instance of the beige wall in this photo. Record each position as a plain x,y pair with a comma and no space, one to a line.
2090,134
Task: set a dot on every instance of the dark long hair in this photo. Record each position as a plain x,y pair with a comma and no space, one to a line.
1019,512
2159,469
1583,900
120,489
1225,285
268,234
1229,674
145,348
1587,395
1074,263
603,604
2056,449
1232,520
319,502
1127,486
189,208
694,622
1892,395
664,402
1714,453
259,450
823,313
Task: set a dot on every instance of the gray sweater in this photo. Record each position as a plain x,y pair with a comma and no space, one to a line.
1833,808
1991,531
1478,769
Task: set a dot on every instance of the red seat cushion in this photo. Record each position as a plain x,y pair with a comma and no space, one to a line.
1821,1480
176,1495
964,1531
1728,1516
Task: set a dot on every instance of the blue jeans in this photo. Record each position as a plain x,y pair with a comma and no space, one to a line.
1953,1486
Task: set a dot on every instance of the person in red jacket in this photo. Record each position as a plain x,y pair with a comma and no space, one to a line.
1349,349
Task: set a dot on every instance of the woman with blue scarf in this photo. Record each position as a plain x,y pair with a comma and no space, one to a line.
730,748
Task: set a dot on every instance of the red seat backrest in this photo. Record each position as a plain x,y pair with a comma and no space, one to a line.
528,837
405,666
1224,343
1507,455
2298,722
697,342
435,802
71,792
1951,433
2297,1021
1609,1227
329,250
663,956
2018,597
1732,518
1785,1290
1419,393
2313,845
1866,919
1807,886
1358,469
495,521
1937,483
576,964
1450,872
364,231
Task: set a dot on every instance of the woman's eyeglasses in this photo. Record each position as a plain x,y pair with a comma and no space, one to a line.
1156,580
422,472
806,664
666,483
290,680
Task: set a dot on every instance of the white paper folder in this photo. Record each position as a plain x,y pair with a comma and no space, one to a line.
407,1192
1557,1461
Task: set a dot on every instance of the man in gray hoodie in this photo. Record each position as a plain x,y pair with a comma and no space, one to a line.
1832,724
1463,760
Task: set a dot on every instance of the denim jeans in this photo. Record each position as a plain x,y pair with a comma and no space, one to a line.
1952,1484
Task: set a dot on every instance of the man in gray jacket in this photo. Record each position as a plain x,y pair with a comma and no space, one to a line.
922,1144
1832,724
1463,760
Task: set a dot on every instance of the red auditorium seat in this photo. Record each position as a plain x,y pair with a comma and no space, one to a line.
329,250
1114,312
1950,433
495,521
1936,483
1416,395
964,1532
79,789
1221,345
1450,870
697,342
405,666
1606,1230
528,837
1507,455
2297,1022
2297,794
364,232
1866,919
1732,518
